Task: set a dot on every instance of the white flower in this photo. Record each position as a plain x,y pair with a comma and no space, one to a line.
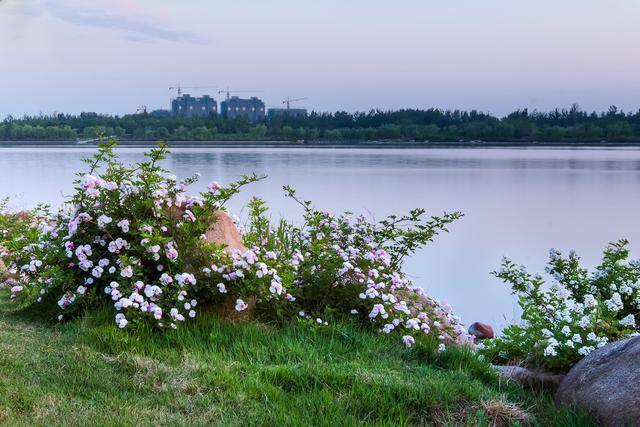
615,303
124,225
103,220
121,320
550,351
276,288
630,321
408,340
584,351
127,271
222,288
97,272
241,305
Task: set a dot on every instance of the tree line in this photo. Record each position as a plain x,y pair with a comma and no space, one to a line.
559,125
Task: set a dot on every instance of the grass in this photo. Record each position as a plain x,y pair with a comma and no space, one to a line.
222,372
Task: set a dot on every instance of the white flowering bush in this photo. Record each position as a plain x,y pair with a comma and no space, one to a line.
577,313
133,239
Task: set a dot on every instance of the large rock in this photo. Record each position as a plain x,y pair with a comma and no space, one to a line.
225,232
606,383
481,330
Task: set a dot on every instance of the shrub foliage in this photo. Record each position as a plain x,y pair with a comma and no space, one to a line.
577,313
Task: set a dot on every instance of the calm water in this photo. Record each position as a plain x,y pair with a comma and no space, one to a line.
518,202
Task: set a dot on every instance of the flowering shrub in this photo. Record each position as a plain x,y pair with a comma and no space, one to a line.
133,237
578,313
344,265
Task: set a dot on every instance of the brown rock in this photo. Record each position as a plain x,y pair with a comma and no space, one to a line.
223,231
606,383
481,330
529,377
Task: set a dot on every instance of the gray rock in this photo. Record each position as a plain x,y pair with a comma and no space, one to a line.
606,383
529,377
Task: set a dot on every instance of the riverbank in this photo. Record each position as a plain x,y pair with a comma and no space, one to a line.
233,373
331,144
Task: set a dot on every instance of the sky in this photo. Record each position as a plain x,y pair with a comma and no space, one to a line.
113,56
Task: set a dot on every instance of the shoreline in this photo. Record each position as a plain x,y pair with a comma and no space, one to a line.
326,144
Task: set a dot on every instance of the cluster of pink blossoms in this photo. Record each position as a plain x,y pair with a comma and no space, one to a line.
360,266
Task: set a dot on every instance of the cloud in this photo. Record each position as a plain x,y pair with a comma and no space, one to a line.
136,28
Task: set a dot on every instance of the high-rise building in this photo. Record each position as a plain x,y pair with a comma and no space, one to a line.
189,106
252,108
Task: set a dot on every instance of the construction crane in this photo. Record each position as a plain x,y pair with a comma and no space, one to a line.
179,88
289,101
229,92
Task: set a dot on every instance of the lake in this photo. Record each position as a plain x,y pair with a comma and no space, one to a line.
517,202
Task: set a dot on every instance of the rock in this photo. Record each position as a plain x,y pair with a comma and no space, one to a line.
529,377
606,383
481,330
224,231
4,272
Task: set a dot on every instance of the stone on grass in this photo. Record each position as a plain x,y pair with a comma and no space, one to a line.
606,383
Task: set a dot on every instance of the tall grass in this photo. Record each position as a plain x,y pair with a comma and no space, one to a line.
223,372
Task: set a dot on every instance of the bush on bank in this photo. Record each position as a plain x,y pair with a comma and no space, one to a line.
577,313
133,238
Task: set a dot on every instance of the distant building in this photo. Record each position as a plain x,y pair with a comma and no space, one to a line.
284,112
252,108
189,106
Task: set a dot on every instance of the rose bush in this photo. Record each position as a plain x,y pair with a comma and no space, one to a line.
133,238
576,314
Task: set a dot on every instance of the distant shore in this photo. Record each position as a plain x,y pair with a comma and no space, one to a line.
333,144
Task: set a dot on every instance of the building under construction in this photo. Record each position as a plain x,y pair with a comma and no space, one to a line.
232,107
189,106
252,108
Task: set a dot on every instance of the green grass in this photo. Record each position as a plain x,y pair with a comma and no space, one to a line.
233,373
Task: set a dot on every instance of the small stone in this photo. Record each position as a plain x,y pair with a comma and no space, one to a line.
481,330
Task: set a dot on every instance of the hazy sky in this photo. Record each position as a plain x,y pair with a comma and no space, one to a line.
113,56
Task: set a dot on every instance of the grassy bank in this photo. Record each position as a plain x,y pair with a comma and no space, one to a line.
220,372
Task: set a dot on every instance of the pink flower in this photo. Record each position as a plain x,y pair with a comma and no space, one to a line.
189,215
213,187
